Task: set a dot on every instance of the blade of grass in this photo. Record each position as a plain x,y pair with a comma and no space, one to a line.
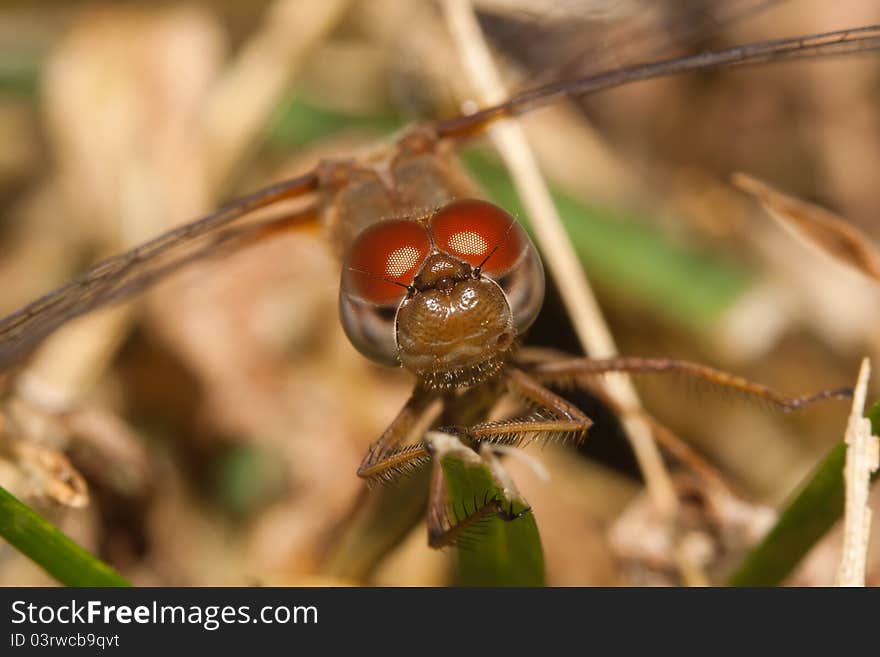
503,553
49,548
804,521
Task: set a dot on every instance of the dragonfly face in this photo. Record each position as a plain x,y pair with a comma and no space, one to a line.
445,295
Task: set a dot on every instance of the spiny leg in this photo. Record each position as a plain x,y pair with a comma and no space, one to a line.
577,370
552,417
667,439
458,529
385,460
395,463
559,368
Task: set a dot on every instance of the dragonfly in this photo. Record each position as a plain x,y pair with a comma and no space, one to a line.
434,279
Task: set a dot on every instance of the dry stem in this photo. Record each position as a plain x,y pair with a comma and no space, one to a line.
590,325
862,459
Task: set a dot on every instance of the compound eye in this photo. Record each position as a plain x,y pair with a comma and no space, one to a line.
481,234
383,261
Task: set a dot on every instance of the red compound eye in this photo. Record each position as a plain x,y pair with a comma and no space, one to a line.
472,230
383,258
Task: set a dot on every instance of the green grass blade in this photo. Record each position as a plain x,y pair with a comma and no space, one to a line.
51,549
808,517
503,553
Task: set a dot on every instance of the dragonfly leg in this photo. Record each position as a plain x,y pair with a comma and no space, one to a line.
550,418
386,459
579,371
383,467
448,526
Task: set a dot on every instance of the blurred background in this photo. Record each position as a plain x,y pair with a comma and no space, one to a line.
208,432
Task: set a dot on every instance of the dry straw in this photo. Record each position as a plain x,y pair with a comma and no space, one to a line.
590,325
862,460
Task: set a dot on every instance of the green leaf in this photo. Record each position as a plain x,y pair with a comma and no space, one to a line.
806,519
504,553
51,549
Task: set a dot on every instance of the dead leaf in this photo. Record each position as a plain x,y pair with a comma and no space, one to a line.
52,475
816,225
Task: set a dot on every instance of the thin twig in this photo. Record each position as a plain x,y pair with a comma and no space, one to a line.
862,459
590,325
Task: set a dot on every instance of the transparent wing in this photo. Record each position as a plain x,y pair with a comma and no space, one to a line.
133,271
825,44
588,37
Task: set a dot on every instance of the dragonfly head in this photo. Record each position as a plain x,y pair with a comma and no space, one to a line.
444,295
